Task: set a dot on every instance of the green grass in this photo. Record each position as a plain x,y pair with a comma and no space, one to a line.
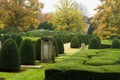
105,60
106,42
31,74
32,38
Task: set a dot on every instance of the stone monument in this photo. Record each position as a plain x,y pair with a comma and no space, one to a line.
47,49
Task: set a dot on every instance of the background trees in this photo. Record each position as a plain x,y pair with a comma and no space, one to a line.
107,19
17,15
68,17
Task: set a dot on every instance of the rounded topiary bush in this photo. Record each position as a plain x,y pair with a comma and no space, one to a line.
18,40
27,52
75,43
55,47
115,43
60,45
94,44
38,49
9,56
13,36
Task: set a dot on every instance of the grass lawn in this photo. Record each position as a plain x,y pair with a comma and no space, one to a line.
104,60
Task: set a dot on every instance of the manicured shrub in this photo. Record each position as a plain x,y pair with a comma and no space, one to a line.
9,56
4,37
55,47
27,52
60,45
115,43
18,40
50,74
94,44
38,49
75,43
13,36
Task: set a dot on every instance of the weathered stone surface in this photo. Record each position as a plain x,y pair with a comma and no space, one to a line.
47,49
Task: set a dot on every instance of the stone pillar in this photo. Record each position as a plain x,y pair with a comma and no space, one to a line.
47,49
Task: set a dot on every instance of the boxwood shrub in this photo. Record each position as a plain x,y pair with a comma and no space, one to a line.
75,43
94,44
18,40
9,56
115,43
38,49
60,45
27,52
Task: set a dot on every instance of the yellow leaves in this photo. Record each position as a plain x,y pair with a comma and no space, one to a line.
18,13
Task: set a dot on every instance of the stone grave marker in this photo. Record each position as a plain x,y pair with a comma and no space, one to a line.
82,46
47,49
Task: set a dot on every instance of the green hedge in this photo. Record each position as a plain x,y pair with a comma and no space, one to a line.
27,52
9,56
94,44
18,40
75,43
38,49
115,43
60,45
53,74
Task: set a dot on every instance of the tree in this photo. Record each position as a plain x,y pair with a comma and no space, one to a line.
67,17
45,25
107,19
19,14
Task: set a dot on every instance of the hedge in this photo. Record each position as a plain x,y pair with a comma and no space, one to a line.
53,74
9,56
27,52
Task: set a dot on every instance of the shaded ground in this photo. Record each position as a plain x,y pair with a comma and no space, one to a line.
70,50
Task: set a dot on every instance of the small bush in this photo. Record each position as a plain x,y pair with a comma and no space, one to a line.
13,36
60,45
27,52
18,40
9,56
94,44
75,43
56,47
38,49
116,43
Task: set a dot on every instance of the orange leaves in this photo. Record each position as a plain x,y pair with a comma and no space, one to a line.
20,13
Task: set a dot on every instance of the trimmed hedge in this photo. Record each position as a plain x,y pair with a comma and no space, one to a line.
115,43
60,45
75,43
27,52
38,49
18,40
9,56
53,74
55,47
94,44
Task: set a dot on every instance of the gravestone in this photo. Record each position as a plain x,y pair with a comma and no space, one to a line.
82,46
47,49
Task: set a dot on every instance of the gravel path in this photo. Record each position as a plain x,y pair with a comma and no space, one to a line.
70,50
